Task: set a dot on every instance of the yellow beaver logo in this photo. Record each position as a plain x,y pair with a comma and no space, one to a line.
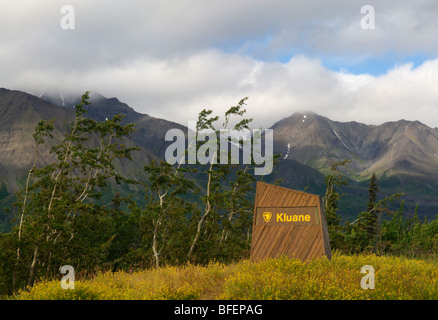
267,216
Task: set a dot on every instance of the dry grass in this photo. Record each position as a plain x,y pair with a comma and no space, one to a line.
339,278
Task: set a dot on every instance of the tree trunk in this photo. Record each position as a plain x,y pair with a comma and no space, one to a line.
154,247
207,211
32,267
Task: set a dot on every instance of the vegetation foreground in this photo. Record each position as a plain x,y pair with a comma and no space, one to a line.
281,278
78,210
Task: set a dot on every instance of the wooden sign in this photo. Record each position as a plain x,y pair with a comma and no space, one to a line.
288,222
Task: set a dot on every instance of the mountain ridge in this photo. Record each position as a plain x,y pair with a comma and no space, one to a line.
403,153
397,146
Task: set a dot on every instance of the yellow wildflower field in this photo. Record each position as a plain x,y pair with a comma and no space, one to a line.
282,278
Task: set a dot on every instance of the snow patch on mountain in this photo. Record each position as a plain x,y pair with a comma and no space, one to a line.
342,141
287,152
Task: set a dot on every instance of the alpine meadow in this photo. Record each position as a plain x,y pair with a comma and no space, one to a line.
184,231
222,152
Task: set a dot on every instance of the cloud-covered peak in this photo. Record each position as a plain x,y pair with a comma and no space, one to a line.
172,59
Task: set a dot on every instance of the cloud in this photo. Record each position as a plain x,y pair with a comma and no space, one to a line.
171,59
110,32
177,89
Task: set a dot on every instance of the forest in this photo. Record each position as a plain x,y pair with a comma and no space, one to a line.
187,213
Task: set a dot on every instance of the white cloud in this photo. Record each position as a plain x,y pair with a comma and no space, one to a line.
171,59
178,89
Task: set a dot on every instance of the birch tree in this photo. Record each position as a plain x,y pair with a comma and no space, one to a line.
69,186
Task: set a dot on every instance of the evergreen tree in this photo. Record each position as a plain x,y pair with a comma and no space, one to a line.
372,191
371,215
333,181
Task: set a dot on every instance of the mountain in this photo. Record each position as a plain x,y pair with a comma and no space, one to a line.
20,112
403,154
393,148
150,131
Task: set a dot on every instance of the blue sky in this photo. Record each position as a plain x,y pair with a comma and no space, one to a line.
171,59
375,65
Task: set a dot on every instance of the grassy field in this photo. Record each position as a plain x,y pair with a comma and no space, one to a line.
282,278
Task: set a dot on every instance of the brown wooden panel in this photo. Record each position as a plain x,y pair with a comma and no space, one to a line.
284,232
258,242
